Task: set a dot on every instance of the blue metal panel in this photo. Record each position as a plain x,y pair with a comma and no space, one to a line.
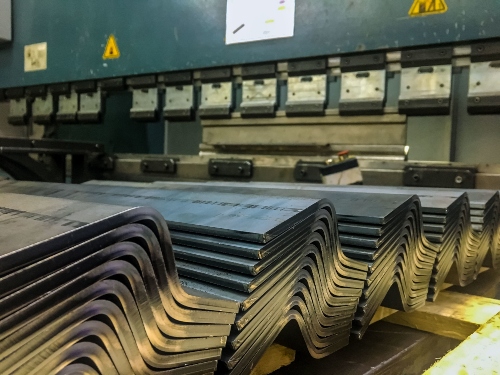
118,133
166,35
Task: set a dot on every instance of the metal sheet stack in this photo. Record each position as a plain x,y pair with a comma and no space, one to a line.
465,225
485,217
381,230
464,233
446,223
278,258
93,284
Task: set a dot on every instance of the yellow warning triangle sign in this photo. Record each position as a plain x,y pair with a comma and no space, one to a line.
111,51
427,7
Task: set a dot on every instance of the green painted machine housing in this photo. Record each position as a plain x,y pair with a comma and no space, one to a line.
171,35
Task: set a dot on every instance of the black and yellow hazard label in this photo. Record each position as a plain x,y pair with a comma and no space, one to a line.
111,51
427,7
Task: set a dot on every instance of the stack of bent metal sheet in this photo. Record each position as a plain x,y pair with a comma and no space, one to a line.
484,213
465,224
485,217
447,223
93,285
382,231
277,258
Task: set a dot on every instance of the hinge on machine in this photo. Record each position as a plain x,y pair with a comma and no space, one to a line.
168,166
439,176
230,168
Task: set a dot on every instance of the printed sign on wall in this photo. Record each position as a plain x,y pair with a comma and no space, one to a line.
253,20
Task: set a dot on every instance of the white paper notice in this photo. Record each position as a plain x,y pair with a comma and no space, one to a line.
252,20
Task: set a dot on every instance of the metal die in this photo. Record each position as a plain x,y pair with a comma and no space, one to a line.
179,102
259,97
91,107
216,100
484,89
19,111
68,107
43,109
425,90
145,104
306,95
362,92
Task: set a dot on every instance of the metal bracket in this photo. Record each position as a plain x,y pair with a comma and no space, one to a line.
179,102
308,171
68,102
85,86
215,75
44,109
91,107
426,81
145,104
358,63
259,97
216,100
439,176
425,90
300,68
113,84
485,51
60,89
484,90
19,111
68,107
142,82
362,93
426,57
168,166
306,95
258,71
230,168
36,91
176,78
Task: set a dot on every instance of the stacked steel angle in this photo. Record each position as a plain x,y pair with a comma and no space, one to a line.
485,217
463,223
383,231
90,283
276,258
96,285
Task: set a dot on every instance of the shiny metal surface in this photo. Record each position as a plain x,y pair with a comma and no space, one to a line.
296,263
57,286
276,274
399,240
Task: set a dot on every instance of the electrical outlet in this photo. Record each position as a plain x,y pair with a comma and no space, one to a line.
35,57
